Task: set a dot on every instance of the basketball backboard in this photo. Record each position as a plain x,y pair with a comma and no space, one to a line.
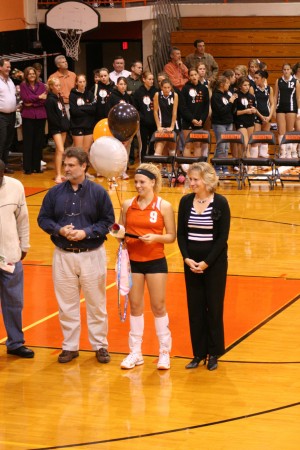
72,15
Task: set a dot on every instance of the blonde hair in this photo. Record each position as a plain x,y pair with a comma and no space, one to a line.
207,173
51,82
242,69
156,172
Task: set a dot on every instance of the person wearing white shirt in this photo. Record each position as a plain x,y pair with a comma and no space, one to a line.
8,107
119,69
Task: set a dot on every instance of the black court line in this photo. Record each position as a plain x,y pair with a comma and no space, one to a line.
36,193
261,324
176,430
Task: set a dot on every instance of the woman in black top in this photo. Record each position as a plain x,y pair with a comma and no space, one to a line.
265,109
82,112
58,123
287,100
245,110
143,101
119,93
222,115
102,92
195,111
203,228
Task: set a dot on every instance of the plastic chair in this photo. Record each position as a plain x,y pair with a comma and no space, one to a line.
230,137
292,137
164,136
259,137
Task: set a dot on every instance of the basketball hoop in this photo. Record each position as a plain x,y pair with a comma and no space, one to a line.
70,40
69,20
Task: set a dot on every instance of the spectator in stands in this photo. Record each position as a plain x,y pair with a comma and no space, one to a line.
58,123
222,116
287,100
8,106
134,79
83,115
199,55
102,91
176,70
119,69
33,94
66,79
143,101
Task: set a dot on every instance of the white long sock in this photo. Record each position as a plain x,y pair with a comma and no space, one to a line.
253,151
136,333
263,151
163,333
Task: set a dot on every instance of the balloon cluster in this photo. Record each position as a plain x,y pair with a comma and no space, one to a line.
108,154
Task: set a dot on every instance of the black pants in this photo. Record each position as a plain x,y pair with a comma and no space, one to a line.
33,143
7,133
146,134
205,296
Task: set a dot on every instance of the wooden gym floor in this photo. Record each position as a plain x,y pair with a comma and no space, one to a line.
251,402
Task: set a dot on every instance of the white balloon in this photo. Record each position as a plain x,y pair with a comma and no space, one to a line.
108,156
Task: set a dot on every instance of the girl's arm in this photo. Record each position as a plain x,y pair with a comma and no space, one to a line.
174,112
155,112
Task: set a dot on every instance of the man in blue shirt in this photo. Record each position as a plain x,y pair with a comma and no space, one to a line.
77,214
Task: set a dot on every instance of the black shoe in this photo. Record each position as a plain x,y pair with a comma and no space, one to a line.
195,362
212,363
22,351
38,171
9,171
27,172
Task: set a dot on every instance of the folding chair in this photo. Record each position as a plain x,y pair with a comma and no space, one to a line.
259,137
168,136
228,137
194,136
286,168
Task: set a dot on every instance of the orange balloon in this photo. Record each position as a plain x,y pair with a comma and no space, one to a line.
101,129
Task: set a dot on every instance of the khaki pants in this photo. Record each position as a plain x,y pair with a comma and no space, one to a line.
71,272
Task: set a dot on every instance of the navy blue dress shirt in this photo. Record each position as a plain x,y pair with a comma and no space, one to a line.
89,209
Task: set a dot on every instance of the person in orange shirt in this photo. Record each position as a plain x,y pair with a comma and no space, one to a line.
66,78
176,70
148,216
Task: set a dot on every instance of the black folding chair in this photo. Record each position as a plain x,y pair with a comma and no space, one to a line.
201,136
230,137
286,169
164,136
259,137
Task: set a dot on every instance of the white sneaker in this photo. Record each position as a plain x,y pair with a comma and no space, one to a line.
164,360
132,360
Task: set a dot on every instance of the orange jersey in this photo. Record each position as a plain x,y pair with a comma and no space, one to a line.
143,221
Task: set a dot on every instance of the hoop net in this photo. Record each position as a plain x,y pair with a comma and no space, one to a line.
70,40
